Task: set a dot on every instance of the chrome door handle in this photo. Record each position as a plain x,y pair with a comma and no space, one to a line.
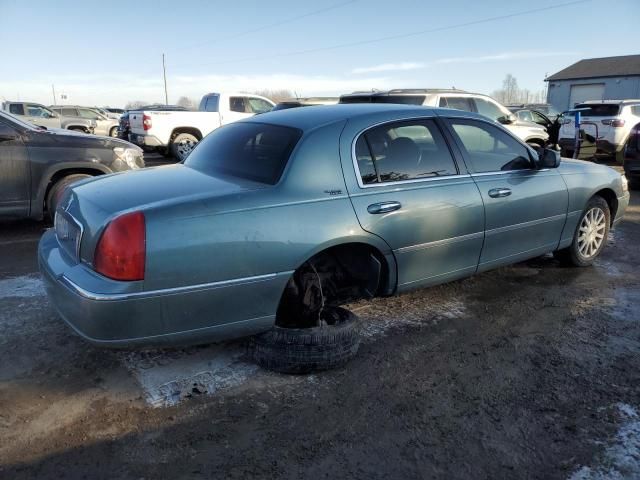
383,207
499,192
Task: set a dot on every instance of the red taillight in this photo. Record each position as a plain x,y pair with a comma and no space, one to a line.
146,122
614,122
121,249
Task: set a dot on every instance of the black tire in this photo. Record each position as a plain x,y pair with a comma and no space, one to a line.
113,133
305,350
182,145
57,189
572,255
79,130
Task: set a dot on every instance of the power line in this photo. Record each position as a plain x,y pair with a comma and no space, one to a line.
400,35
272,25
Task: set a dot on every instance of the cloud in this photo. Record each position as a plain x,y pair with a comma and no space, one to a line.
501,57
389,67
395,67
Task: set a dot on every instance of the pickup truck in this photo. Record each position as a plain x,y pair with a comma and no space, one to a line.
42,116
177,133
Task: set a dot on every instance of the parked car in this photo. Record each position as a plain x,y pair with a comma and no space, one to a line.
550,124
37,164
609,122
117,111
124,126
103,125
44,117
460,100
305,102
107,113
632,157
545,109
274,221
177,133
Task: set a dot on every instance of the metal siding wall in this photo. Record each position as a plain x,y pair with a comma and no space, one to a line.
615,88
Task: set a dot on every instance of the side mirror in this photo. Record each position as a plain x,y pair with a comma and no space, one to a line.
507,119
548,158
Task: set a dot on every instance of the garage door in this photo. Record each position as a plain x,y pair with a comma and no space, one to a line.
582,93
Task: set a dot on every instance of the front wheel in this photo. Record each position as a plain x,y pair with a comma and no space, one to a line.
590,236
113,132
183,145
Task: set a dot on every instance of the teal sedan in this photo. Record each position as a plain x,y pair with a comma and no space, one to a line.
274,219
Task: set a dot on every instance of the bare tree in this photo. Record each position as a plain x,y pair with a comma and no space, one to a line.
510,93
186,102
132,105
275,95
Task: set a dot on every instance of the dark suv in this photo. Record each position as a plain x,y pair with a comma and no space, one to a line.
36,164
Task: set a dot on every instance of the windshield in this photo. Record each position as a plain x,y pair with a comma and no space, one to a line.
12,119
253,151
599,110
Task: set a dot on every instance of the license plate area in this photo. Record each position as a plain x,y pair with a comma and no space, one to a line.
69,234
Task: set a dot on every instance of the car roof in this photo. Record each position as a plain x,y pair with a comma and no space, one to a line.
310,118
611,102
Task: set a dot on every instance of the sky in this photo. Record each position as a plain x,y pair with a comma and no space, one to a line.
110,53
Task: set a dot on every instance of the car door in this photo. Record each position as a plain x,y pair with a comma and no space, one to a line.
407,189
15,173
525,208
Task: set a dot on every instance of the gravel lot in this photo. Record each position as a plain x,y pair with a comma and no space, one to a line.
530,371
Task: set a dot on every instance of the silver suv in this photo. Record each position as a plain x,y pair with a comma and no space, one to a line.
103,125
529,132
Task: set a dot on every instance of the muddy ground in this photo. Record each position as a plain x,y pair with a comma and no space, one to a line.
530,371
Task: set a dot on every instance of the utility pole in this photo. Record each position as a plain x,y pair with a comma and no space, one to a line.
164,73
53,89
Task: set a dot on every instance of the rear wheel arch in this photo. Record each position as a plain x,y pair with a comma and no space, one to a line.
336,275
53,176
190,130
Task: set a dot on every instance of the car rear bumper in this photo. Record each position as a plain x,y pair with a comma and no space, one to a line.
145,140
122,314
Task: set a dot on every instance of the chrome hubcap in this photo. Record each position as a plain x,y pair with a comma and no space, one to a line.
185,147
591,233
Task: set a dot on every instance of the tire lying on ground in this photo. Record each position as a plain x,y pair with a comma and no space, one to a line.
305,350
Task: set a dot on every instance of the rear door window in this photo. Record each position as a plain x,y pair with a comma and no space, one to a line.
69,112
401,151
602,110
16,109
237,104
252,151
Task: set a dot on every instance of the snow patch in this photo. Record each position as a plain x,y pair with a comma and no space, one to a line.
621,460
167,377
24,286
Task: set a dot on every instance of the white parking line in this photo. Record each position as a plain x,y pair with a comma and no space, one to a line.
24,286
621,460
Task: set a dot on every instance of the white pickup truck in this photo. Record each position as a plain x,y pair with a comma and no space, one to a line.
177,132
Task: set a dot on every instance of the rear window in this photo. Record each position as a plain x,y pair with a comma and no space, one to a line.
603,110
210,103
402,99
253,151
